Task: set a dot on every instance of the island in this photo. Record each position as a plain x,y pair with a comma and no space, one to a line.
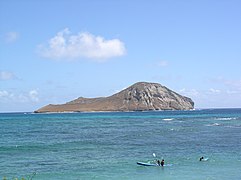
141,96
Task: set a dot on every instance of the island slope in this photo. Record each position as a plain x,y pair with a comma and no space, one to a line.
141,96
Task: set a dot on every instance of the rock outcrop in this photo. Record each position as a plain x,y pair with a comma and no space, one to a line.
141,96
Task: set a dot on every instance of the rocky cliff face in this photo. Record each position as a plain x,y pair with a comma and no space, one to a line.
141,96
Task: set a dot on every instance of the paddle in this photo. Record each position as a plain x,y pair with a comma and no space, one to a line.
154,155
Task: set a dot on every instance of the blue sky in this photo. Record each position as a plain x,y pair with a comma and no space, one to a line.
55,51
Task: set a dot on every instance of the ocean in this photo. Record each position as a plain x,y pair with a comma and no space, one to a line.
107,145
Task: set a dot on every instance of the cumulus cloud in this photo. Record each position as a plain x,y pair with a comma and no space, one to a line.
233,85
5,75
82,45
31,96
11,37
189,92
215,91
212,97
4,94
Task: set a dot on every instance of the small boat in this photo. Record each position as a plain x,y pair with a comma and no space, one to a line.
147,164
150,164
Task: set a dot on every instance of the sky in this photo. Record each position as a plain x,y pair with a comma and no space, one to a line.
52,52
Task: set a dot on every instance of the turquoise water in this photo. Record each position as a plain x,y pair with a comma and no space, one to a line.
108,145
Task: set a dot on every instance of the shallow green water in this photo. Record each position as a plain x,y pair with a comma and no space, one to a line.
108,145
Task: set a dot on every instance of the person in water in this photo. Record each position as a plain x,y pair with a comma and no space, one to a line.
158,162
162,162
201,158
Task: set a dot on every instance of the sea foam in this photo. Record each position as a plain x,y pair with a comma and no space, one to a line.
226,118
168,119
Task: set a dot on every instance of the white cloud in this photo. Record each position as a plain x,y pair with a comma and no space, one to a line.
234,84
67,46
231,92
215,91
4,94
162,63
5,75
31,96
11,37
212,97
189,92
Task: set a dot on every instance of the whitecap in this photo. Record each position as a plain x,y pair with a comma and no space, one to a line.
226,118
168,119
214,124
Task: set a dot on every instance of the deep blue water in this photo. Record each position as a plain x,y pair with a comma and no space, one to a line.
108,145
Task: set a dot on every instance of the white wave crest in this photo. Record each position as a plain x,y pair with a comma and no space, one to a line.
168,119
226,118
214,124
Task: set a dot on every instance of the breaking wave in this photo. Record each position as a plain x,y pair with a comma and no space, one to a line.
226,118
214,124
168,119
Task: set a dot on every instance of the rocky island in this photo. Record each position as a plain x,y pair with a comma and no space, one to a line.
141,96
